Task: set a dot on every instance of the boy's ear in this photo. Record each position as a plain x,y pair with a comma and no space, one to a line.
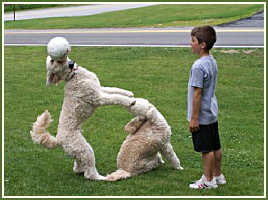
203,45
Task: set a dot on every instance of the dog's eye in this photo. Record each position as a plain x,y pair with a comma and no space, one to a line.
51,61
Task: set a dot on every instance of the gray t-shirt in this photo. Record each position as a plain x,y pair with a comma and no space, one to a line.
204,75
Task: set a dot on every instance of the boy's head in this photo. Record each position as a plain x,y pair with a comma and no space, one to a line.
205,35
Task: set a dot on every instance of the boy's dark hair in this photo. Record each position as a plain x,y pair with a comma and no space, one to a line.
205,34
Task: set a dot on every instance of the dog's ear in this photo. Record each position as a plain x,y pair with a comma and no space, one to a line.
49,78
49,73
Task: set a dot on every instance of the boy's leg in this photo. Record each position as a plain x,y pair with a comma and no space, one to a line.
207,180
217,165
208,164
220,178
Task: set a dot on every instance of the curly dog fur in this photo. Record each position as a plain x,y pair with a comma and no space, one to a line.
83,93
148,136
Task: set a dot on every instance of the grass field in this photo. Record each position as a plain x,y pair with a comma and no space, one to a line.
157,74
153,16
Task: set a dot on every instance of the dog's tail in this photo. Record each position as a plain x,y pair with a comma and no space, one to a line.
118,175
39,133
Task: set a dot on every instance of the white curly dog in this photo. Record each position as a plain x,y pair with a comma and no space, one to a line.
82,95
149,135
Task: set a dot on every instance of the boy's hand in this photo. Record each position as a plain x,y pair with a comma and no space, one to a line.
193,125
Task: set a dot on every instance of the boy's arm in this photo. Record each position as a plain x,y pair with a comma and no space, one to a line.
194,123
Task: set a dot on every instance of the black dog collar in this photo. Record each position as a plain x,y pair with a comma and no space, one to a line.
71,64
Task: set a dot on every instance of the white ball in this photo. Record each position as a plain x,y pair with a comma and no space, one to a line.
58,48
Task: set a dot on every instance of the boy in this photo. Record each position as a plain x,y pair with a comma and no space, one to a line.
203,108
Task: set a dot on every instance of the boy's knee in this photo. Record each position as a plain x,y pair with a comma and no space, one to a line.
218,154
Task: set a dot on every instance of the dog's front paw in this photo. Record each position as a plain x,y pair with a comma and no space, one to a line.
139,107
101,178
160,159
129,94
179,168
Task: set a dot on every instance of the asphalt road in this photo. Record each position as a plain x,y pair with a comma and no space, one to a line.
235,37
243,33
71,11
256,20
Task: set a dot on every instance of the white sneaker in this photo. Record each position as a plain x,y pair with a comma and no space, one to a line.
220,179
204,184
200,180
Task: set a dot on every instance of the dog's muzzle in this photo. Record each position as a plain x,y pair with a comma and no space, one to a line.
51,78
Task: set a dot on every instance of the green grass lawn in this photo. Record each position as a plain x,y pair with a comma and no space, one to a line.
157,74
153,16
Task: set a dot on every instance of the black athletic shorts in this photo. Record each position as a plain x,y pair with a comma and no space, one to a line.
206,139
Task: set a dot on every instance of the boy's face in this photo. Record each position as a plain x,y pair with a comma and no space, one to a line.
196,47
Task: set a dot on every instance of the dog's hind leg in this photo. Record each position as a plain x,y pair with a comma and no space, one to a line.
78,168
118,175
168,152
115,99
91,173
82,152
87,159
114,90
141,166
147,164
